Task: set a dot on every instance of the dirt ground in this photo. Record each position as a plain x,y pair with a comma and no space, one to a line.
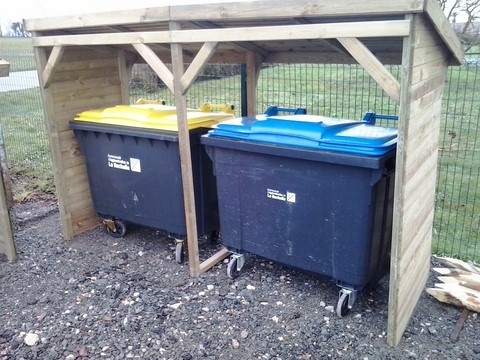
98,297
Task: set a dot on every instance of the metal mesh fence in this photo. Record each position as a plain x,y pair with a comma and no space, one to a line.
331,90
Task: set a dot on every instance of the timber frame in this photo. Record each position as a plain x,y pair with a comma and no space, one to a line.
84,62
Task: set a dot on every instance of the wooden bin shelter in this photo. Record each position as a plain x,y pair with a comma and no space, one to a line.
84,62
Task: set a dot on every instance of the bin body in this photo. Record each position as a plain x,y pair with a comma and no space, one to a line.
324,211
134,175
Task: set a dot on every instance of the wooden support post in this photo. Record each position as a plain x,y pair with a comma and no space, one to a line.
124,74
185,157
52,62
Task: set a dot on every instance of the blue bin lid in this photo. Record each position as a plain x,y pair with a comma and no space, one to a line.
310,131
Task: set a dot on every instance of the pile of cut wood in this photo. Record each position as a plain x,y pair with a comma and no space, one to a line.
460,284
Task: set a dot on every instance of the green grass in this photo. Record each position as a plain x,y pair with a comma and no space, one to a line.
18,52
26,144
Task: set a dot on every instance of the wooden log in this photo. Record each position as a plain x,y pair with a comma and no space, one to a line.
460,285
457,264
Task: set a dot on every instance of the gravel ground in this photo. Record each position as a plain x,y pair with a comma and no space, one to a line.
98,297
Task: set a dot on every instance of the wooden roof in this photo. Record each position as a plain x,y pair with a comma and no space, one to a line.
276,30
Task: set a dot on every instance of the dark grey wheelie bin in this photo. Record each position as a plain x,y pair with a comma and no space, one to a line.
310,192
133,166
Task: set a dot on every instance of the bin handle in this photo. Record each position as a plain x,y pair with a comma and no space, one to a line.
371,117
146,101
273,110
226,108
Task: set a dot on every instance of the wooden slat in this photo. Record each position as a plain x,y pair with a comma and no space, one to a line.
366,29
156,64
427,86
86,85
51,65
87,104
422,72
310,57
445,30
429,54
123,38
133,16
185,159
89,63
390,28
290,9
198,64
213,260
84,220
83,95
373,66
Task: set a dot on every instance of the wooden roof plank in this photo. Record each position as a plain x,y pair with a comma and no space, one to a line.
112,18
268,9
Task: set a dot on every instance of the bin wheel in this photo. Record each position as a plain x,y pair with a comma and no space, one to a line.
342,305
214,236
232,269
119,230
179,253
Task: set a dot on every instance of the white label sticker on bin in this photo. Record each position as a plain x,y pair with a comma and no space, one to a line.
135,165
116,162
278,195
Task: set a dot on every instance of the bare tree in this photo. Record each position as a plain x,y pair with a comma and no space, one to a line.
464,15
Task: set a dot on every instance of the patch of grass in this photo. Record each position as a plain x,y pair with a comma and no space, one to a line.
18,52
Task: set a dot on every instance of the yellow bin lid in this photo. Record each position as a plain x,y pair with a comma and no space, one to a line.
156,116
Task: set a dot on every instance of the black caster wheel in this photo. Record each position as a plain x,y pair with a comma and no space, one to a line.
342,305
179,253
116,228
214,236
232,270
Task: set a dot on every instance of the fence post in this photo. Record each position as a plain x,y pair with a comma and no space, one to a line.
243,89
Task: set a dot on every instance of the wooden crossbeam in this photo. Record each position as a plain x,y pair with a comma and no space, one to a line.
156,64
240,45
52,62
197,65
360,29
373,66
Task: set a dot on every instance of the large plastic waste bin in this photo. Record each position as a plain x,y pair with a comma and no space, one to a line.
311,192
133,166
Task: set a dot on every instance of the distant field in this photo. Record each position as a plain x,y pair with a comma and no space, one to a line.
18,52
